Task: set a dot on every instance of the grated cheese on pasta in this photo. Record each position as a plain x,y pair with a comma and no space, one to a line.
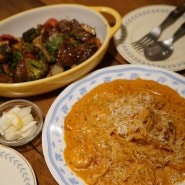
127,132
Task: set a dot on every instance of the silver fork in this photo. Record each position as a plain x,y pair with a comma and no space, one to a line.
156,32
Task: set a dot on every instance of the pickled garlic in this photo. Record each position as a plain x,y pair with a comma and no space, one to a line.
17,123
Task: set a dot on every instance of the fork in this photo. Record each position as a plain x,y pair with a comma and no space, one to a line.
156,32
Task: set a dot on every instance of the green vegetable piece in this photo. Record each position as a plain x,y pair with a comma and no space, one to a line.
30,35
36,69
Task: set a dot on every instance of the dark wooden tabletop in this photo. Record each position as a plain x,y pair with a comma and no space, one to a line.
33,151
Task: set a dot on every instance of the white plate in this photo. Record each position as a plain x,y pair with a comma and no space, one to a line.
14,168
52,136
139,22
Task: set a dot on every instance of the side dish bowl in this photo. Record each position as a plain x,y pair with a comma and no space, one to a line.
11,114
92,16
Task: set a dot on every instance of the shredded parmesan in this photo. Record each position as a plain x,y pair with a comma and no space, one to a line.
127,132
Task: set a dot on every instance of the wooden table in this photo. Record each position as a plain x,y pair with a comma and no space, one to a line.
33,151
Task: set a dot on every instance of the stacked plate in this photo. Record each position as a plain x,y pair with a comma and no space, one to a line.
139,22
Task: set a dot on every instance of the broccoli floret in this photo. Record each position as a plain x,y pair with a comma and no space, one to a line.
52,45
30,35
17,56
5,52
36,69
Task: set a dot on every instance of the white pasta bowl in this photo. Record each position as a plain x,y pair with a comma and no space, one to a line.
53,140
92,16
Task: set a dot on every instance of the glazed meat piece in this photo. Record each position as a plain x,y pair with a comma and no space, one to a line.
20,73
80,33
78,47
74,28
5,78
84,51
66,56
69,55
65,26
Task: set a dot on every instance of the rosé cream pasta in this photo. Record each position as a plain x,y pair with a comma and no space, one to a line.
127,132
